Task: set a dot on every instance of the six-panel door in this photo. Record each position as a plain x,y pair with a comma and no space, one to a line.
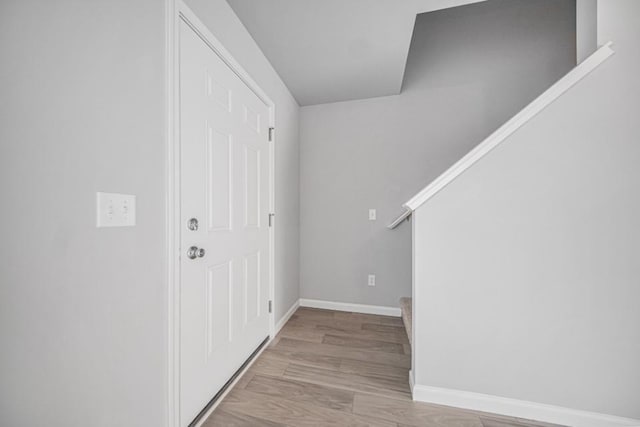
225,187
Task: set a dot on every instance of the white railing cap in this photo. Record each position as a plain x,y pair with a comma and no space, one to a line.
504,131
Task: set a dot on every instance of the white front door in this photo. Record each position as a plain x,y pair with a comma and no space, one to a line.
224,181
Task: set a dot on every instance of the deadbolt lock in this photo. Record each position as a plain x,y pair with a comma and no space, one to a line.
192,224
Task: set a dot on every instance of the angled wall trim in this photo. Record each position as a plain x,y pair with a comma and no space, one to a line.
517,408
286,317
504,131
354,308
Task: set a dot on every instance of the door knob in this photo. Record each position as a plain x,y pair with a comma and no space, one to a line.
195,252
192,224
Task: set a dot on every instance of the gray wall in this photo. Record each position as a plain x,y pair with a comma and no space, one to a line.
469,70
82,310
586,28
218,16
528,265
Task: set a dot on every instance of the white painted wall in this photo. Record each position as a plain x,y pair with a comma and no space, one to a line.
527,266
226,27
83,310
470,69
586,28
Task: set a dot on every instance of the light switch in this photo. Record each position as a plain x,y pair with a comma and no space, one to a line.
115,210
372,214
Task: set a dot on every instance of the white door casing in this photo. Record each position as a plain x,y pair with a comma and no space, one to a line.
226,184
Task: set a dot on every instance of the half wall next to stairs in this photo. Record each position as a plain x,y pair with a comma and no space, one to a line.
527,265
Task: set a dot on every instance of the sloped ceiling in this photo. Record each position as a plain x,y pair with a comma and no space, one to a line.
336,50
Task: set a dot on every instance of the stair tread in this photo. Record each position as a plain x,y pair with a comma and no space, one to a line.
407,314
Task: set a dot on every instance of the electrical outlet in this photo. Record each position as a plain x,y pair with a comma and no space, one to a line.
372,214
115,210
372,280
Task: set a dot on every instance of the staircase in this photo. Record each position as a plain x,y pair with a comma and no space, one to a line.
489,144
510,297
407,315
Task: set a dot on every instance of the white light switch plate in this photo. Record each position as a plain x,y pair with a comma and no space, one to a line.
115,210
372,214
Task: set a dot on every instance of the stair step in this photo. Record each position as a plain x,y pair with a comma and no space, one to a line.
407,314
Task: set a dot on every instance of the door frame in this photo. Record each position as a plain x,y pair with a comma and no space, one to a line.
176,11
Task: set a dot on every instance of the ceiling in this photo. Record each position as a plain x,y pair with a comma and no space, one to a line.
336,50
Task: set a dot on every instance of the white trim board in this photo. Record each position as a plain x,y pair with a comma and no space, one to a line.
286,318
518,408
354,308
499,136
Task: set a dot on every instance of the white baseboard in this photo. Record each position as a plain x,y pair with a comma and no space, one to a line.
286,317
355,308
518,408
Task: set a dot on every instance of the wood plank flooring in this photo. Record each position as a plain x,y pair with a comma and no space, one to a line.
329,368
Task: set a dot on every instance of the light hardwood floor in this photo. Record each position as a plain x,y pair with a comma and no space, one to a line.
328,368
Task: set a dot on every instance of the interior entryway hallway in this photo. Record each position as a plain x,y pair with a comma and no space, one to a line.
340,369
